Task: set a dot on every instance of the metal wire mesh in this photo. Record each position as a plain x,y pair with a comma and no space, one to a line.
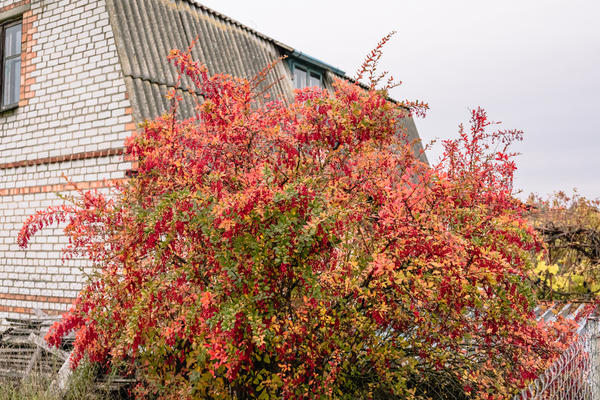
575,375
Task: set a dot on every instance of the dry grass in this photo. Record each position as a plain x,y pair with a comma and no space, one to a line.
37,387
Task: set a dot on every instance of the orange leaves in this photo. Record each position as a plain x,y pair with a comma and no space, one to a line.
381,265
206,299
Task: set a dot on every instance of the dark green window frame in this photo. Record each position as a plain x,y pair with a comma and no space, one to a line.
311,75
10,65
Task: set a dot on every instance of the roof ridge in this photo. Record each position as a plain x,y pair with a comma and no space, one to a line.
240,24
291,50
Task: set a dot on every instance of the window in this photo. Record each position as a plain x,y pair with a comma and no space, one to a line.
10,64
306,77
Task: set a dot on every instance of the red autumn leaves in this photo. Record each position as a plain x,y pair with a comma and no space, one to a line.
302,250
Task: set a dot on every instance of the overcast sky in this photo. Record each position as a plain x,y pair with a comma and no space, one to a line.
532,64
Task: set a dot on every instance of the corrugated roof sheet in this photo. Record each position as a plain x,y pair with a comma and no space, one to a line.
578,311
146,30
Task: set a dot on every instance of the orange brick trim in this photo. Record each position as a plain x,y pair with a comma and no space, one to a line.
68,157
18,310
27,56
27,310
60,187
40,299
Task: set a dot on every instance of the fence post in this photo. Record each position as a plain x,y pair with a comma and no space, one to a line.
594,349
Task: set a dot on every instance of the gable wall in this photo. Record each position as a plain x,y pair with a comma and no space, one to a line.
73,117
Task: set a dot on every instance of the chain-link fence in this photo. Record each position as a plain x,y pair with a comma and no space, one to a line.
575,375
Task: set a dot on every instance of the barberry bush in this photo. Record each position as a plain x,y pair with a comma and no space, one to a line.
301,249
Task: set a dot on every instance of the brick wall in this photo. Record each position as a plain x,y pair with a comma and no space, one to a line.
72,118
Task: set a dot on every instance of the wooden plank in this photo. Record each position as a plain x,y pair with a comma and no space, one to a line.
38,341
39,313
32,362
59,385
10,374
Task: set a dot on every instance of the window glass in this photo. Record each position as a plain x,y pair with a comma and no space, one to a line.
12,81
315,80
12,43
300,80
11,65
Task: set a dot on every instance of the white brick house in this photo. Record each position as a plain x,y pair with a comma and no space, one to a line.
83,75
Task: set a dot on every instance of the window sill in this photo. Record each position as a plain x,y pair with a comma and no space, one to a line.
7,110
